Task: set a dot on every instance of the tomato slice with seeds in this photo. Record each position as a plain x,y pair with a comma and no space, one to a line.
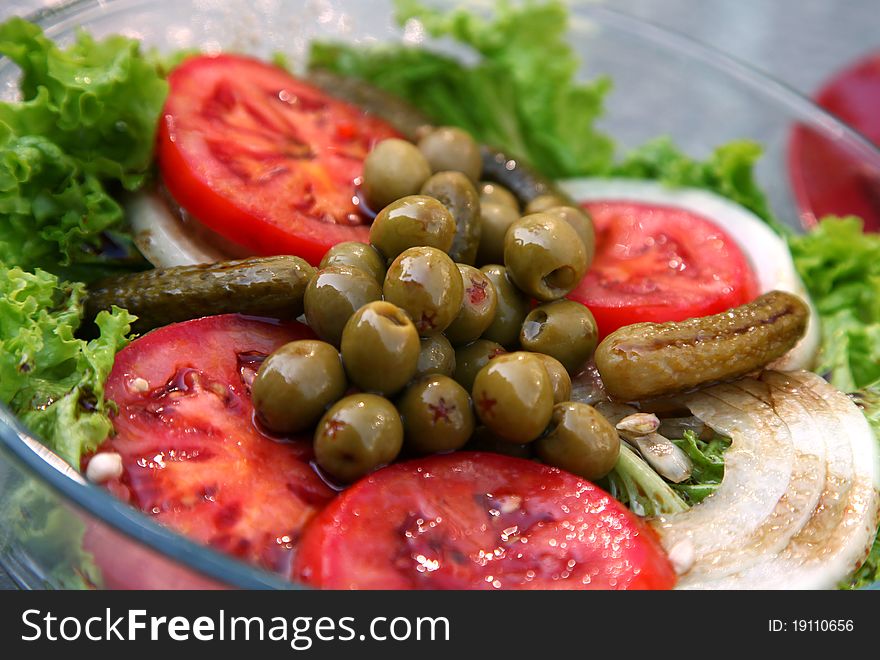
660,263
264,159
192,457
479,521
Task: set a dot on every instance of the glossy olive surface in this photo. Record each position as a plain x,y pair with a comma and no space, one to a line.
333,295
563,329
427,285
296,383
358,255
448,148
547,201
437,415
473,357
393,169
494,193
582,223
580,441
436,357
357,435
478,306
413,221
560,381
380,348
457,193
496,220
544,256
513,397
511,308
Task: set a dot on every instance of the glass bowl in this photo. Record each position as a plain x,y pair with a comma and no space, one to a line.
59,532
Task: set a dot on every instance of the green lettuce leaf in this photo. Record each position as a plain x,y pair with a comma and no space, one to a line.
86,124
638,486
41,527
51,379
708,461
99,101
868,573
840,266
52,212
521,95
729,172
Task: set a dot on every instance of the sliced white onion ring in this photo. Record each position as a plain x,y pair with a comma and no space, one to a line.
799,503
166,240
767,252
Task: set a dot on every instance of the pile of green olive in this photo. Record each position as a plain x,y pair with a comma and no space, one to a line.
429,339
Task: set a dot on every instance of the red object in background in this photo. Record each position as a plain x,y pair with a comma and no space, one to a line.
829,179
479,521
659,263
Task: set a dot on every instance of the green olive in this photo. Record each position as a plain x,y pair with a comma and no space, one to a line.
357,435
457,193
564,329
333,295
447,148
473,357
494,193
546,201
513,396
380,348
478,307
582,223
496,219
484,440
436,357
559,378
544,256
412,221
427,285
437,415
580,440
393,169
296,383
511,309
358,255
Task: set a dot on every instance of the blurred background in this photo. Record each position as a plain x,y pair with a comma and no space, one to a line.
799,42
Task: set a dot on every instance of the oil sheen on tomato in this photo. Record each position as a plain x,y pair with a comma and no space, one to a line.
192,456
268,161
470,520
660,263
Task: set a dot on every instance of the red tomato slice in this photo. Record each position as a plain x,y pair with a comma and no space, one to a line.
659,263
479,521
827,177
192,456
266,160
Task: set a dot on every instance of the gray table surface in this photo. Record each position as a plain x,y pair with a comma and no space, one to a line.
800,42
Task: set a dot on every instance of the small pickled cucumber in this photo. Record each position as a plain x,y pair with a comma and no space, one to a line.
259,286
647,360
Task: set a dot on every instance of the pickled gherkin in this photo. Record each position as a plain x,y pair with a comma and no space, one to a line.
258,286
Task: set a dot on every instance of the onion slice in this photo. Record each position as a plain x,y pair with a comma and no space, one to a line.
768,254
798,506
167,239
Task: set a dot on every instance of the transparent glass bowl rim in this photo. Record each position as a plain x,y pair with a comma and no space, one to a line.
126,520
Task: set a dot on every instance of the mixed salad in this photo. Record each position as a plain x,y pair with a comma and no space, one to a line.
401,321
